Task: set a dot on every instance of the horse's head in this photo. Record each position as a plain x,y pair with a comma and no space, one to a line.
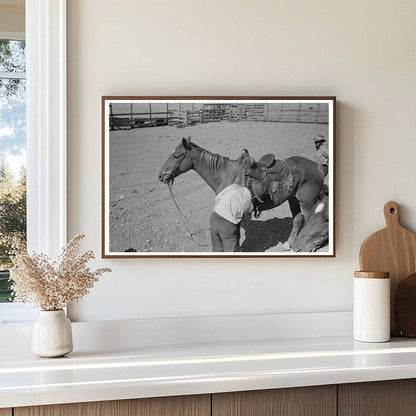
178,162
314,233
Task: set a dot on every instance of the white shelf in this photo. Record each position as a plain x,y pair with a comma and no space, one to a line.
150,371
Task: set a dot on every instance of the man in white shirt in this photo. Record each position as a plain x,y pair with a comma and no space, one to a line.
232,204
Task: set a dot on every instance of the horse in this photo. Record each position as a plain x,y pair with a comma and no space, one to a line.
219,172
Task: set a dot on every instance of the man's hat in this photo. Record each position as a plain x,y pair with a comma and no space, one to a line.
319,139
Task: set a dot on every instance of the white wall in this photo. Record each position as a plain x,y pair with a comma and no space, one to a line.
361,51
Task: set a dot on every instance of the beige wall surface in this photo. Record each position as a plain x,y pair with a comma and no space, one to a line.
361,51
12,18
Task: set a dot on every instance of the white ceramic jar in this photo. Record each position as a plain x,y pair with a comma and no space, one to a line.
52,334
371,305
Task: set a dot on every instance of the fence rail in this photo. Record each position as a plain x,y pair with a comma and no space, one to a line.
180,116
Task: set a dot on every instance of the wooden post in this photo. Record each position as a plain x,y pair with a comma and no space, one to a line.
131,115
111,118
180,113
150,113
167,113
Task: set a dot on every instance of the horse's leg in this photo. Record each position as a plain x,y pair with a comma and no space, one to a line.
297,218
307,208
307,195
298,223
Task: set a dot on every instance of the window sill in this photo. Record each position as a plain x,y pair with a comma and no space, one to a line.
16,313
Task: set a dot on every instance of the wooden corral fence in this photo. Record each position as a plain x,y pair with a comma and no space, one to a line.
131,119
317,113
182,115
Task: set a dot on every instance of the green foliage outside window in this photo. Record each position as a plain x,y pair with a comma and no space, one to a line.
12,223
12,145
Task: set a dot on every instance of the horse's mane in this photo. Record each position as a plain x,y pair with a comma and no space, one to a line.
217,171
215,160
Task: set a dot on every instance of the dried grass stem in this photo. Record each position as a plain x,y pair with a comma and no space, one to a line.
53,285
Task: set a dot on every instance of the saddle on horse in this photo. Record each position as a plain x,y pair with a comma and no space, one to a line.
277,169
267,178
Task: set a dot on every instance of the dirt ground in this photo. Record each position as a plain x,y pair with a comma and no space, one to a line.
143,216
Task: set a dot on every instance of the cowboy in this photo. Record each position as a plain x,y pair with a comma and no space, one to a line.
321,153
232,205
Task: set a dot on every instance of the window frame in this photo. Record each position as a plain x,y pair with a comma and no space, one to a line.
12,35
14,312
46,135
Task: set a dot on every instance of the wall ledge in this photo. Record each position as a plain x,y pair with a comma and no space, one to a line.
191,330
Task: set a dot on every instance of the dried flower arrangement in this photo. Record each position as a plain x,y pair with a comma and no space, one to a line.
53,285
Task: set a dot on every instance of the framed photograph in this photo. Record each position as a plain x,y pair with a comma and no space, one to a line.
218,176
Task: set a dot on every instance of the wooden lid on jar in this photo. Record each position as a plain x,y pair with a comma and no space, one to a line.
372,275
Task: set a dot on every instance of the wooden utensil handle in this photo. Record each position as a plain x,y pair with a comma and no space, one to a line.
391,214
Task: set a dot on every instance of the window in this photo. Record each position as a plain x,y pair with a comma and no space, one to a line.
45,27
12,153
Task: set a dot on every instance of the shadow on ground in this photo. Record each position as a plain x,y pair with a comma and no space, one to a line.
263,235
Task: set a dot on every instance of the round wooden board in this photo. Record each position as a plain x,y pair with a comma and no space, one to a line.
393,250
405,306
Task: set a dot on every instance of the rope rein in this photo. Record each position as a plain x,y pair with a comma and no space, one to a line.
189,234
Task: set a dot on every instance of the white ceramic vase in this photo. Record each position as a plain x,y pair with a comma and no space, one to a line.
52,334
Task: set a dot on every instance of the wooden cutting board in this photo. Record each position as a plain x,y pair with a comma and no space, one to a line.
405,305
393,250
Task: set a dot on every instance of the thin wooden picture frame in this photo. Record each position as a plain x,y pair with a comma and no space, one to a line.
138,212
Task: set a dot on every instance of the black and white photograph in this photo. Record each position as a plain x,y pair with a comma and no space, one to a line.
218,176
